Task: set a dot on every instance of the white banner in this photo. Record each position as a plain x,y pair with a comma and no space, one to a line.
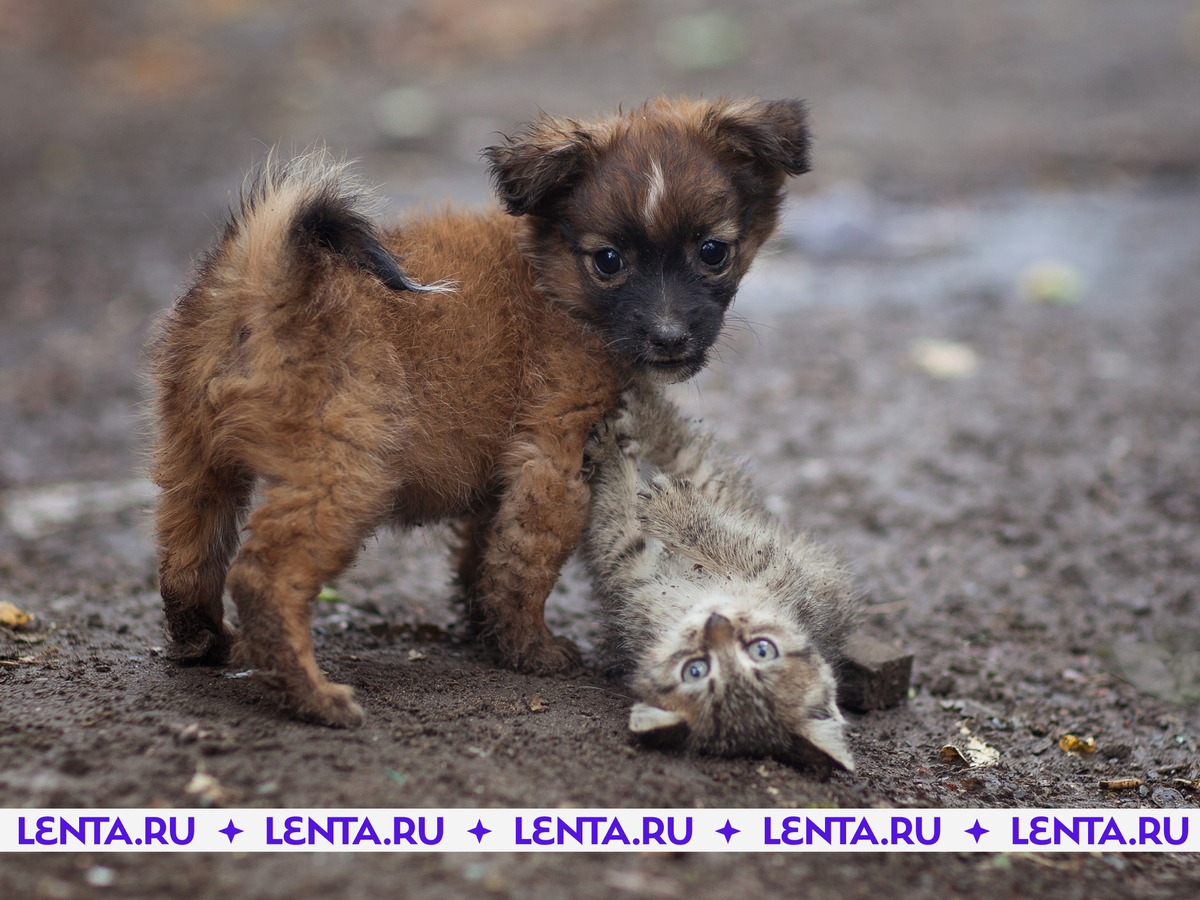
598,830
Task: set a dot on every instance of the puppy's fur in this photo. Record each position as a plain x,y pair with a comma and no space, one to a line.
308,361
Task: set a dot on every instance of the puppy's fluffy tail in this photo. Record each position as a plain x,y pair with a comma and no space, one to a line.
293,211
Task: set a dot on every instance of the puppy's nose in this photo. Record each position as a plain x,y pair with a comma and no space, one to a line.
668,336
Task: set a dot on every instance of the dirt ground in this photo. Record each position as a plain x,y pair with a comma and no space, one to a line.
968,363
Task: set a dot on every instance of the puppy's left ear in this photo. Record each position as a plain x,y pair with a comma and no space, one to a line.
773,133
539,162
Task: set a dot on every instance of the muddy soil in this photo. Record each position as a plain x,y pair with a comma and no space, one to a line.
968,363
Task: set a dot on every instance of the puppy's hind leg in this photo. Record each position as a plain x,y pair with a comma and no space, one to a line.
299,537
196,526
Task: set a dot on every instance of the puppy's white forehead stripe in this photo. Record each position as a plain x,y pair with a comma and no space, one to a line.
654,195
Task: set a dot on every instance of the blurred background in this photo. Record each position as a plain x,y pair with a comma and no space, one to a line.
127,125
982,298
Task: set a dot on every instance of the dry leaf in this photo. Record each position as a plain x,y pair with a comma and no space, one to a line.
1071,744
1051,281
11,617
951,754
414,655
536,704
976,754
209,790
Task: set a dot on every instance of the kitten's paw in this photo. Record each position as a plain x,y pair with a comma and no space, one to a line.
623,422
667,505
609,441
600,448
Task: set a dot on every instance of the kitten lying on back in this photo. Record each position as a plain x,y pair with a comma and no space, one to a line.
731,627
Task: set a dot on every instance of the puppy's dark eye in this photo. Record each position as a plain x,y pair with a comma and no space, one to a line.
714,253
608,261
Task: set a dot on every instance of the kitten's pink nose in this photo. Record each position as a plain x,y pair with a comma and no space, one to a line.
717,630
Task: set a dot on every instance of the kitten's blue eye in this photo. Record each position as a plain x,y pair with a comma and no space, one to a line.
695,670
762,650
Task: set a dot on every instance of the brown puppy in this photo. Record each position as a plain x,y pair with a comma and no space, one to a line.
303,361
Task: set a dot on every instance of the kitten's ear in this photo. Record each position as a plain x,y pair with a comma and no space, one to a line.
827,737
657,727
542,159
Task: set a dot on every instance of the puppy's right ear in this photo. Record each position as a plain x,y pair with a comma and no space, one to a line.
772,133
538,163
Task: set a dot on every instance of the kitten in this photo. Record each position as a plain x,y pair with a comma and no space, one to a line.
731,627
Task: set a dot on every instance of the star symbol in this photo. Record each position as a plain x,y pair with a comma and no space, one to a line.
977,831
479,831
728,831
231,831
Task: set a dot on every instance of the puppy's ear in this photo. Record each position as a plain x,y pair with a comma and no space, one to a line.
773,133
538,162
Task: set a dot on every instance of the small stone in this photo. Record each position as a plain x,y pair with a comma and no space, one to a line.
943,685
1167,798
944,359
100,876
873,675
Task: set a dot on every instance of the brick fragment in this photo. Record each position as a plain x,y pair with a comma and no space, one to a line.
873,675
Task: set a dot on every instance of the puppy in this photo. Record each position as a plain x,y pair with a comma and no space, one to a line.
450,366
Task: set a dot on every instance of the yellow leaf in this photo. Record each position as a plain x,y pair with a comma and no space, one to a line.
11,617
1071,744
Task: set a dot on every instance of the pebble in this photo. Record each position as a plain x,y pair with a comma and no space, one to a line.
944,359
100,876
1167,798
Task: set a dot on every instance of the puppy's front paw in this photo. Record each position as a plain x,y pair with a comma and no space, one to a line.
300,689
330,704
207,645
549,655
324,702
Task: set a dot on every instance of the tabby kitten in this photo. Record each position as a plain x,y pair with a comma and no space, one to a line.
731,627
